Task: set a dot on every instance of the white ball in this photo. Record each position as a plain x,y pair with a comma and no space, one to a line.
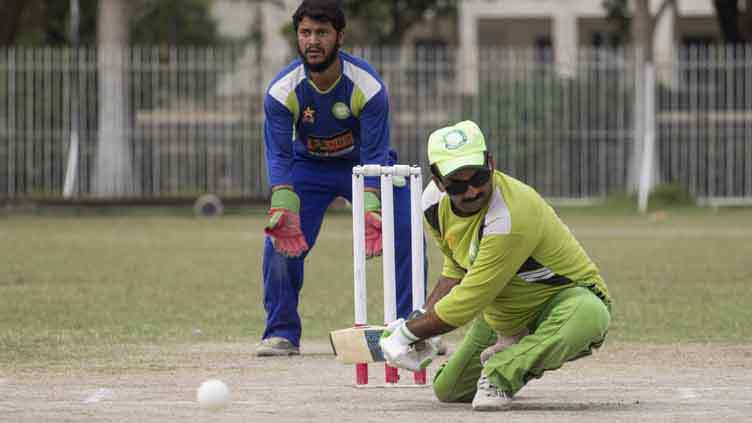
213,395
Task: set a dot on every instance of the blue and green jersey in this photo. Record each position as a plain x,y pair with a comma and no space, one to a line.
349,122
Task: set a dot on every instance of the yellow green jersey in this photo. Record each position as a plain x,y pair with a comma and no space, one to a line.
511,256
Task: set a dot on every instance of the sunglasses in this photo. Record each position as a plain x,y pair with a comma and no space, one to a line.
480,178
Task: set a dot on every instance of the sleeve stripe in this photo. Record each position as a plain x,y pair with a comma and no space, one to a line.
284,86
431,196
367,83
498,219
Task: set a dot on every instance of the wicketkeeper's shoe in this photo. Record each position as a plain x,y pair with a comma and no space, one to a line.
489,397
276,346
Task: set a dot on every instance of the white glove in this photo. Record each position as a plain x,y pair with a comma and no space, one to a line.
403,349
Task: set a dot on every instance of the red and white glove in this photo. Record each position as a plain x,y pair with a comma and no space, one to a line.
373,235
373,225
284,224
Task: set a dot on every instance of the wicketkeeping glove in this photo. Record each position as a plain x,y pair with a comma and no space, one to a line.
403,349
373,225
284,224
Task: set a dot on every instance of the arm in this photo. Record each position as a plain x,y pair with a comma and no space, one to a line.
442,288
283,227
374,148
499,258
278,140
374,133
401,342
429,324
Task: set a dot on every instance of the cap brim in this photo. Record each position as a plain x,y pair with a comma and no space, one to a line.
447,167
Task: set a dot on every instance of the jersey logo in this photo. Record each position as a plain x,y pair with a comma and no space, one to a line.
308,115
340,110
337,145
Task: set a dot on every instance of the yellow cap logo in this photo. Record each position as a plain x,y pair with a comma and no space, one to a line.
454,139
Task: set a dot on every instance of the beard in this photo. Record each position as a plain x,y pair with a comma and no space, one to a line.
320,67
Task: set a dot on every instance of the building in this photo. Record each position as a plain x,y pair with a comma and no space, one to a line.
565,26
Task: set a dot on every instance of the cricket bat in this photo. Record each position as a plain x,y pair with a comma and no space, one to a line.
359,344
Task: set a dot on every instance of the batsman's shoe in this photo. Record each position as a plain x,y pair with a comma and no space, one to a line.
441,346
276,346
489,397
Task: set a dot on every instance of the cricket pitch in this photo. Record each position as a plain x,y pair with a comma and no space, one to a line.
620,383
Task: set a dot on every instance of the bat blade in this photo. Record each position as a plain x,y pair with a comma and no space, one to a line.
357,345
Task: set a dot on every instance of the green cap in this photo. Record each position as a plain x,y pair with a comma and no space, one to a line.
454,147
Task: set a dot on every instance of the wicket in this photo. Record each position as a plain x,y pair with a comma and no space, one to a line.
387,173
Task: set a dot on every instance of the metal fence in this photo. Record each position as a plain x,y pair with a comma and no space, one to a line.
189,120
704,123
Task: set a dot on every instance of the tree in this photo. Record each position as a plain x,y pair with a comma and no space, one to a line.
643,169
44,22
640,23
10,20
735,24
734,21
386,22
173,22
113,164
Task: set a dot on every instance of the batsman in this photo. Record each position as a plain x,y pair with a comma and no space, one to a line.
325,112
512,270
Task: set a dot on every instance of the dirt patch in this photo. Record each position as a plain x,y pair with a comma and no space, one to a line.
622,382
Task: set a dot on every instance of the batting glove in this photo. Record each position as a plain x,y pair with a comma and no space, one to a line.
403,349
435,342
284,224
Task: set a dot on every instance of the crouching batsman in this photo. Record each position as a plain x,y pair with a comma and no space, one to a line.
512,269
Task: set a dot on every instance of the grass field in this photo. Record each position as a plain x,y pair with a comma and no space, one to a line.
75,287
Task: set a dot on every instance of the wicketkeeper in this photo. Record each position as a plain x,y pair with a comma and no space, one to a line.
324,113
512,269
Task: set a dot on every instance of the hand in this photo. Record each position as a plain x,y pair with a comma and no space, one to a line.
435,342
402,349
284,224
374,243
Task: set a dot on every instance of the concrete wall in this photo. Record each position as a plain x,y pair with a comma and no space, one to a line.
513,32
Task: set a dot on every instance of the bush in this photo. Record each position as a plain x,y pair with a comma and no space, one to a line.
670,194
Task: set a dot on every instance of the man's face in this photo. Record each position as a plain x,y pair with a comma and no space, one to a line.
318,43
469,189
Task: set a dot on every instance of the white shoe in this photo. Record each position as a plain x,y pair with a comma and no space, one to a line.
488,397
441,346
276,346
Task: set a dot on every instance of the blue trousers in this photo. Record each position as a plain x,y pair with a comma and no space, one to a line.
318,184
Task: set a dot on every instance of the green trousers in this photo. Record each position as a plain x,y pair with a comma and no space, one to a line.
569,326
